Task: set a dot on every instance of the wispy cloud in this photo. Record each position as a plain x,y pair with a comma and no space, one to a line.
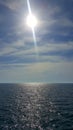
14,4
20,52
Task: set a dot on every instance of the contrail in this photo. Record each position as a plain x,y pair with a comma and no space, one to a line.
33,31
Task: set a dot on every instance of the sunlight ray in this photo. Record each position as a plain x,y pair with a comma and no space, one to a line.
33,31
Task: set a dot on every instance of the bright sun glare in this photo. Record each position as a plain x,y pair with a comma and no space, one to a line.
31,21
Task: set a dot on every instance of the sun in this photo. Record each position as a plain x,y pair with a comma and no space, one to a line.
31,21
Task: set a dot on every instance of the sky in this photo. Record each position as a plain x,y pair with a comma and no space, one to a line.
53,61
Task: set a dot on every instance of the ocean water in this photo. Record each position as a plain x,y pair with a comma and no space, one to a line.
36,106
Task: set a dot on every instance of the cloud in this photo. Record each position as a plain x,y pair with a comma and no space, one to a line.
7,51
57,20
13,4
22,51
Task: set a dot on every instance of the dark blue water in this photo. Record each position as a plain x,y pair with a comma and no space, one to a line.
36,107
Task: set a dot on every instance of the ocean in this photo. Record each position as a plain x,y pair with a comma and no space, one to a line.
36,106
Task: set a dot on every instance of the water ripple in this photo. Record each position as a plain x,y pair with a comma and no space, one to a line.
36,107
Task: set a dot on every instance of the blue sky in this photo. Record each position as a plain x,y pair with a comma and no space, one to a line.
54,36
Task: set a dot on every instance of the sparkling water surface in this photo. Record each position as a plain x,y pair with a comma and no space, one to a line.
36,106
